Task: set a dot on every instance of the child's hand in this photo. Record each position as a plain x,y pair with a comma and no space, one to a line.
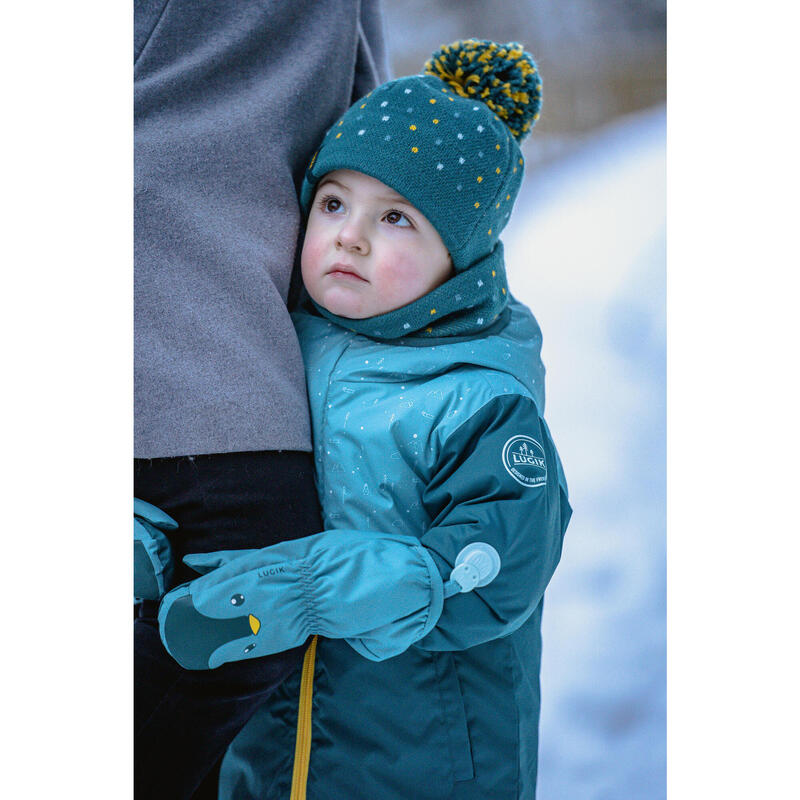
338,584
152,555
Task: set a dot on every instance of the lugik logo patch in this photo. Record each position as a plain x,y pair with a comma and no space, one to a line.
523,457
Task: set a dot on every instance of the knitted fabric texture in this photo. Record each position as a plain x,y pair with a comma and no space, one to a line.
435,140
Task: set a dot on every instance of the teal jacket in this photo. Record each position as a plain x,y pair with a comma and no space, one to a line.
444,442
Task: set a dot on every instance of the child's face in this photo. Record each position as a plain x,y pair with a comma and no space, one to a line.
367,250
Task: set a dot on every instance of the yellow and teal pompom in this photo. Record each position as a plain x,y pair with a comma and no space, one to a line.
503,76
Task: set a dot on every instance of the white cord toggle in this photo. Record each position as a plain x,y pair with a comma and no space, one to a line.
476,565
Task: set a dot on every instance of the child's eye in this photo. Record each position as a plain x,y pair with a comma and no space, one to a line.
398,218
330,204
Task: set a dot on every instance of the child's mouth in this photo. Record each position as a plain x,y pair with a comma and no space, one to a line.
341,272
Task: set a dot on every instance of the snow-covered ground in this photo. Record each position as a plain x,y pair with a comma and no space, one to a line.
586,251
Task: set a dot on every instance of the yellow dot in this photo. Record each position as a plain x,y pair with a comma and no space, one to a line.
520,162
338,134
498,170
479,178
362,105
436,122
432,100
494,274
498,205
497,147
412,127
450,99
341,122
515,169
428,330
433,311
508,197
414,149
504,291
490,233
477,205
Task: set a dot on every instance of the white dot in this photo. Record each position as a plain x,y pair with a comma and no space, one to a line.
415,435
361,132
457,114
440,165
474,108
458,188
408,91
460,135
383,119
409,110
406,325
480,283
480,153
384,104
461,159
438,141
480,128
386,138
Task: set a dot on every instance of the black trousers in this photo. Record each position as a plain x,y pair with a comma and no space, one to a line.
185,719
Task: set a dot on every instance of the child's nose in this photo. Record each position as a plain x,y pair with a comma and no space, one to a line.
352,237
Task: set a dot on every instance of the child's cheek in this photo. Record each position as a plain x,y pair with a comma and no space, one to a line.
403,276
311,259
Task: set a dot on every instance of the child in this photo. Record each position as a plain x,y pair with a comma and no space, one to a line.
443,497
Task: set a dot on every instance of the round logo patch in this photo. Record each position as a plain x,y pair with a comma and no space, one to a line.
523,457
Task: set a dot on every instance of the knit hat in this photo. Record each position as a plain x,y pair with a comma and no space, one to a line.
448,141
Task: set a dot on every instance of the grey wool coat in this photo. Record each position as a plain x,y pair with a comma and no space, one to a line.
231,99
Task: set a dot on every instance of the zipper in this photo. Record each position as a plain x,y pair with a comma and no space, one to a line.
302,748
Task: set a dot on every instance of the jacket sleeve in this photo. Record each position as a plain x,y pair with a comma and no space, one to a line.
498,480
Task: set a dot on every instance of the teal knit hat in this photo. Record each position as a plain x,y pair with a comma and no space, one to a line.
448,141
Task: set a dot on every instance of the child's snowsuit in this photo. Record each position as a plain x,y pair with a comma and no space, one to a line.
442,441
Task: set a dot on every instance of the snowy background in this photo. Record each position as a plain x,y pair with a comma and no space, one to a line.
586,251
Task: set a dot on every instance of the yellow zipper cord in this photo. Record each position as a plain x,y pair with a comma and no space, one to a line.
302,748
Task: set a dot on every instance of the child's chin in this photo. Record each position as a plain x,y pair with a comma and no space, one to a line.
343,306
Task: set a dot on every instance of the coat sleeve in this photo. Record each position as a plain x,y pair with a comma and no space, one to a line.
498,480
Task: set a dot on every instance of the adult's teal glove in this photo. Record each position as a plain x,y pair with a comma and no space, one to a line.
380,591
152,555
